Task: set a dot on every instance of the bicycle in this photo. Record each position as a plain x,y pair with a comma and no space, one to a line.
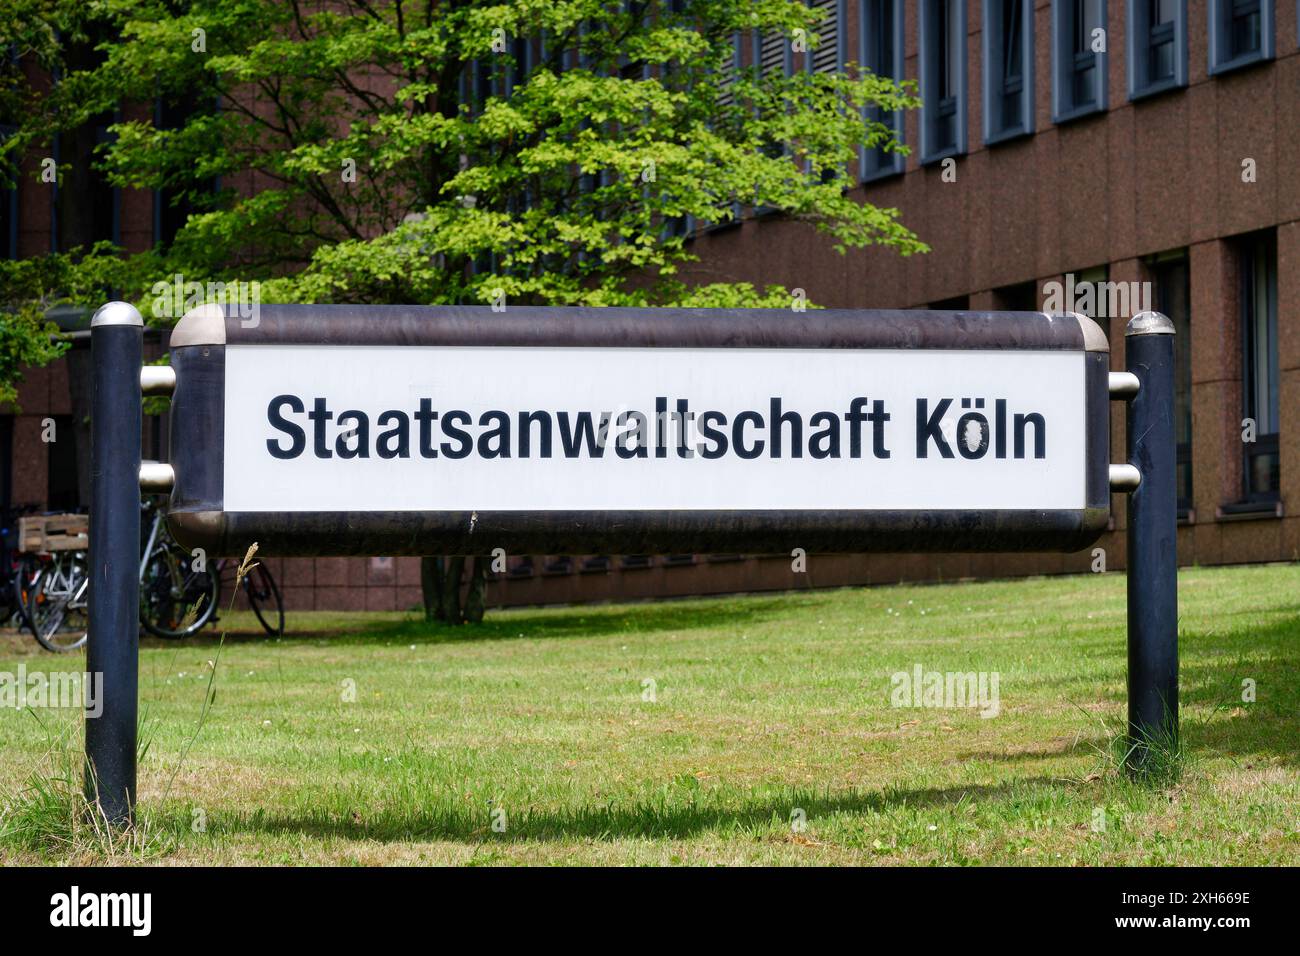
179,592
10,562
16,570
262,594
48,585
55,605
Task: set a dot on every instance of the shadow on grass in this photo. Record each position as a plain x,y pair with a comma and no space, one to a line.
1061,749
1212,680
1211,674
677,817
584,621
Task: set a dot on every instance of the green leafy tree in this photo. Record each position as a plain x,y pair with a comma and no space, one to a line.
28,289
415,151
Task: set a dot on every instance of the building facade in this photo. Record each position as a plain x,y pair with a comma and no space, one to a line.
1096,155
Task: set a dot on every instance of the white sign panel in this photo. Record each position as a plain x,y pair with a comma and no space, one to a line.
374,428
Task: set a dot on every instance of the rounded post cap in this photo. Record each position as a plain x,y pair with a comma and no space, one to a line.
1150,323
1094,336
201,325
116,313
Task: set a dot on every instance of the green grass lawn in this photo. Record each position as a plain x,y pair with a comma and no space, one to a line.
765,709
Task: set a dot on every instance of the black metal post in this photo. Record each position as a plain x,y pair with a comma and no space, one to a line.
1152,540
112,649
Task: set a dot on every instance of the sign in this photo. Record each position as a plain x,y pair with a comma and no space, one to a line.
404,430
336,429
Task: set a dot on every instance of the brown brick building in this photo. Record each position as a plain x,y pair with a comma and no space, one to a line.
1062,144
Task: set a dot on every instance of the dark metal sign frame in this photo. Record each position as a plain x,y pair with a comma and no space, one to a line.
198,519
196,382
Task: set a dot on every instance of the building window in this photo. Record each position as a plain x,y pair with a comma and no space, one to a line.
943,79
1241,33
726,100
1008,69
172,207
86,208
557,564
1089,295
521,567
830,53
6,469
9,176
676,227
1079,70
1157,46
1022,297
8,204
727,76
880,48
61,469
1259,369
521,64
773,55
1171,280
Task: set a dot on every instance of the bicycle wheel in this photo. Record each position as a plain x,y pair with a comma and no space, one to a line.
10,562
58,609
170,589
264,598
23,587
